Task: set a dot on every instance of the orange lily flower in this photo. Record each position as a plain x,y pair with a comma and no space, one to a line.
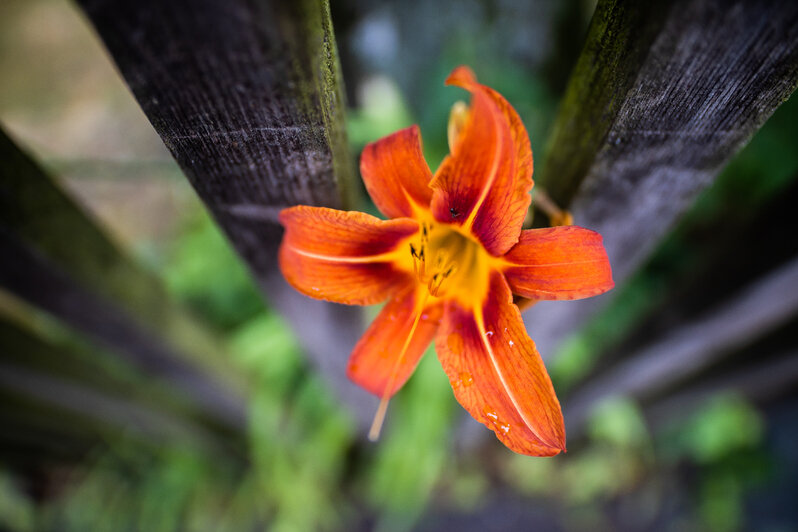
448,261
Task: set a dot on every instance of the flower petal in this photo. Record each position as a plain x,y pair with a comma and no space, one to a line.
396,174
484,184
566,262
498,375
378,360
340,256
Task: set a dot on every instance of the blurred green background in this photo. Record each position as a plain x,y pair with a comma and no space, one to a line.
727,463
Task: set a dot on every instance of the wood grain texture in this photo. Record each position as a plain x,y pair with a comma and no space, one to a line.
247,96
55,257
667,121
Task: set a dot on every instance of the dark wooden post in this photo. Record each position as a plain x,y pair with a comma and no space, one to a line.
248,98
663,95
54,256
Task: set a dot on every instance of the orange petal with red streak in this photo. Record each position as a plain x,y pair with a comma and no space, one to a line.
498,375
485,182
566,262
395,173
377,360
341,256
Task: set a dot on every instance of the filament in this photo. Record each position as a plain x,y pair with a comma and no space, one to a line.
379,416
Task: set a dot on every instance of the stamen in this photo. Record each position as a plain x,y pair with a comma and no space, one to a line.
434,285
418,256
379,416
437,280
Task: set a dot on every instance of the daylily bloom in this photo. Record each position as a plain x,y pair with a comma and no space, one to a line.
448,261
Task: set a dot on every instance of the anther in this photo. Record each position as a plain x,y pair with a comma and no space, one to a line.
418,260
435,284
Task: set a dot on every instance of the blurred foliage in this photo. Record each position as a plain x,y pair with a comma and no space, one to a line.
205,272
411,456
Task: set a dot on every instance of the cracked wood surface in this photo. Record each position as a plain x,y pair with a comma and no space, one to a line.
247,97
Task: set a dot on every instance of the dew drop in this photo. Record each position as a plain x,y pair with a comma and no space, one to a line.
466,379
455,343
493,418
315,288
424,317
489,334
511,343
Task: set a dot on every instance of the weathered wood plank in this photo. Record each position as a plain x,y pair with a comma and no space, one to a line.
738,321
37,350
650,117
248,98
55,257
743,237
757,382
106,410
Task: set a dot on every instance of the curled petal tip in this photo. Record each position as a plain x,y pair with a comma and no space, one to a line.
462,76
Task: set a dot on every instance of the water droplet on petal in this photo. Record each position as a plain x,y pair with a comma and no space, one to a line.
511,343
466,379
489,334
455,343
493,419
424,317
315,288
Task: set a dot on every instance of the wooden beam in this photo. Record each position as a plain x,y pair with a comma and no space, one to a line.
738,321
41,350
664,94
740,240
248,98
105,410
55,257
758,382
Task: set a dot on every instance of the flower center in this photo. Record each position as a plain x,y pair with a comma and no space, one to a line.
448,262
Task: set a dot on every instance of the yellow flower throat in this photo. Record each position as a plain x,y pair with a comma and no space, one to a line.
449,263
